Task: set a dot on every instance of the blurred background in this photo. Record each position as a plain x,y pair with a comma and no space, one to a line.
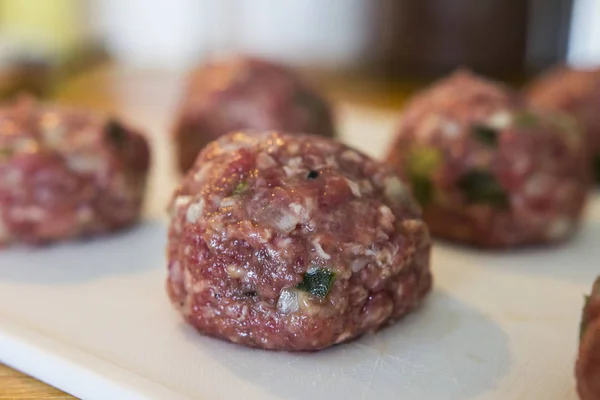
355,48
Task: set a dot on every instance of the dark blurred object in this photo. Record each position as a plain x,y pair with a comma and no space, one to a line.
23,73
41,75
501,38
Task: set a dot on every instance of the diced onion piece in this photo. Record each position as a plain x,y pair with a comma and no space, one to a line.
288,301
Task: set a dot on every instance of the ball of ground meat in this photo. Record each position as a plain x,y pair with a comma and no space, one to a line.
575,91
587,369
487,170
245,93
66,173
293,242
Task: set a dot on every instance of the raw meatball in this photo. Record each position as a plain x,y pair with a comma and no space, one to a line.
577,92
243,93
293,242
487,170
66,173
587,370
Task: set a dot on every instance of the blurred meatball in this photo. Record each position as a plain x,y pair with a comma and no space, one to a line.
242,93
575,91
66,172
488,170
587,369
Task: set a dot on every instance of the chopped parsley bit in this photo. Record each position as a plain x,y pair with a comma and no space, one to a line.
5,153
312,174
596,167
485,134
116,133
525,119
421,164
481,186
241,188
317,281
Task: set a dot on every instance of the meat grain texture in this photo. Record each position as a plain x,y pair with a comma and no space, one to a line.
587,369
577,92
488,170
245,93
293,242
66,173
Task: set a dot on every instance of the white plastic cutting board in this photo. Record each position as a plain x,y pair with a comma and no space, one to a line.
93,319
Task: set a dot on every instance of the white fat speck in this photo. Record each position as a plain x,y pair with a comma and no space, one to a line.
188,280
354,187
288,301
293,167
194,211
181,201
235,271
84,215
387,217
175,272
187,250
33,214
450,129
264,161
228,202
297,208
394,190
359,263
344,336
319,249
85,163
283,243
400,291
200,175
412,225
560,227
55,136
13,177
200,286
330,161
240,141
351,155
500,120
293,147
537,185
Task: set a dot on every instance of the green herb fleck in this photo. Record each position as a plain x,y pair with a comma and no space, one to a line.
583,323
596,167
481,186
525,119
5,153
485,134
420,166
116,133
317,281
241,188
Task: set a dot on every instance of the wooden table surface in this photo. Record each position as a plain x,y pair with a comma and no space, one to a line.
100,89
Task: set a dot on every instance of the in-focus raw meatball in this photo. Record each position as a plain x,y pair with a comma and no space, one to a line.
66,172
245,93
293,242
587,369
487,170
577,92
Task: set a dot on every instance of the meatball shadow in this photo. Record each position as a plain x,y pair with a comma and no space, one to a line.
132,250
575,260
444,350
